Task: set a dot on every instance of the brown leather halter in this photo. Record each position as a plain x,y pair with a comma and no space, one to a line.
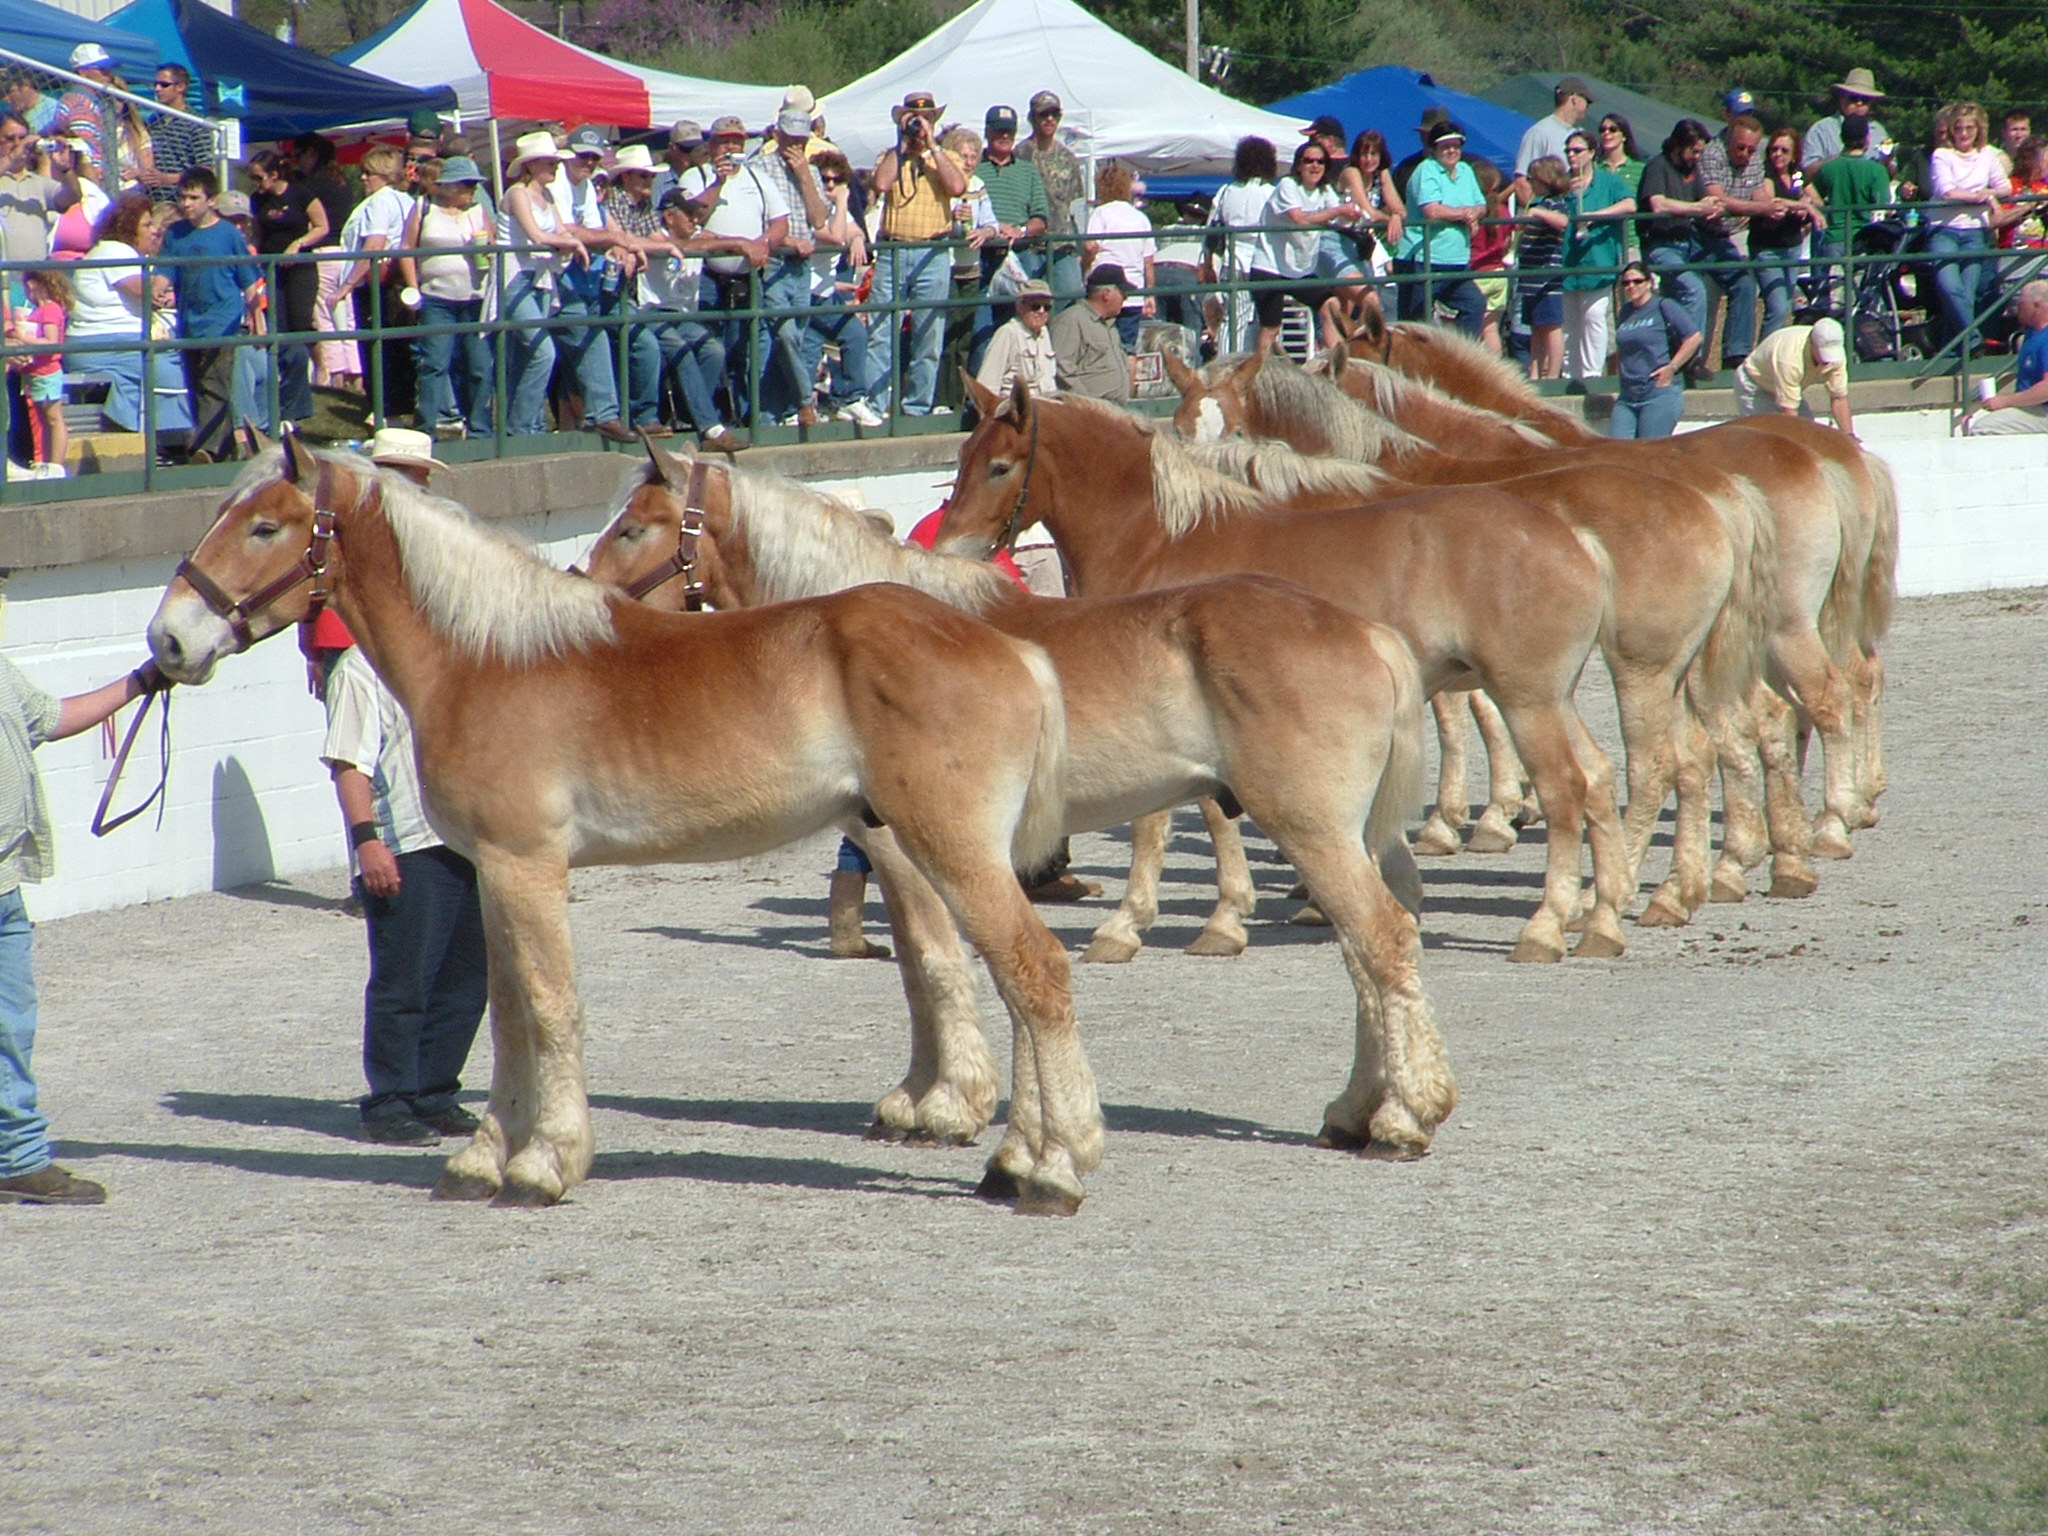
684,561
1015,525
310,566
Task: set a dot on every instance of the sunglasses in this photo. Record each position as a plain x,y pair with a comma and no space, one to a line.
1034,304
161,84
832,181
1313,160
1613,128
1635,282
1577,149
1045,117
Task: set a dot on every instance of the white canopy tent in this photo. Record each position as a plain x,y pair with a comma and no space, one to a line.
1121,102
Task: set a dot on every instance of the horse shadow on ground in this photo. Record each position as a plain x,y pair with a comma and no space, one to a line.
275,893
795,941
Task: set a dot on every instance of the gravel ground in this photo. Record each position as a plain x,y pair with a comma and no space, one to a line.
1695,1208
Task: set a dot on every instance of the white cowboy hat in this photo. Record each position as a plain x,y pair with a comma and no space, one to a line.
537,145
633,157
403,448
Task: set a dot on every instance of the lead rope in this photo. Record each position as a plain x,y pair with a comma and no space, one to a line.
102,824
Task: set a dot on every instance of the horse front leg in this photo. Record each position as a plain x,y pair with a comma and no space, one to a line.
949,1092
1499,824
534,1143
1122,935
1439,834
1224,934
1684,890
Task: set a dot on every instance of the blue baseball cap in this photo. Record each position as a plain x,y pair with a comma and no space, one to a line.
1738,100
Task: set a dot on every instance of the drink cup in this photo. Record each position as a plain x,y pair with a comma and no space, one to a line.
1986,388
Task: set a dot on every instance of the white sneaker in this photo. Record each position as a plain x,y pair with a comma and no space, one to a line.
860,413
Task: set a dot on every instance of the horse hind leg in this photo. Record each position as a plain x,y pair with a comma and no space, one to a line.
948,1094
534,1144
1685,889
1745,842
1824,693
1792,834
1866,681
1223,935
1122,934
1439,834
1508,808
1612,886
1545,746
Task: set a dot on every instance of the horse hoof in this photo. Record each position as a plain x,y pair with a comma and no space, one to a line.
1337,1138
1494,833
997,1184
1535,952
1436,840
867,951
1298,891
1793,884
1728,887
1661,913
463,1186
524,1196
1394,1151
882,1130
1109,952
1216,945
1037,1199
1599,946
1831,843
1310,916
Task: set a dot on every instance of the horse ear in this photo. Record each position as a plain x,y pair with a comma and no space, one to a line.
253,437
1184,378
1020,400
1248,369
672,470
985,399
1372,327
1339,358
300,467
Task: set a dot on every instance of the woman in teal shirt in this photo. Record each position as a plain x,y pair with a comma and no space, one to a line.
1599,203
1444,196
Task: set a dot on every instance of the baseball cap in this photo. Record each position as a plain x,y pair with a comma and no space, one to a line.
1828,345
799,97
1045,101
686,134
794,121
1572,85
729,127
1324,127
232,205
587,141
1738,100
1443,132
1000,120
1108,275
1033,288
91,56
458,170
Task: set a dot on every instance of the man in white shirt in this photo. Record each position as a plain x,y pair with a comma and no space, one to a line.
733,199
1022,348
592,287
1546,135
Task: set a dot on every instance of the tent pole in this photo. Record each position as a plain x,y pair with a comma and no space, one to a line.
1194,33
497,167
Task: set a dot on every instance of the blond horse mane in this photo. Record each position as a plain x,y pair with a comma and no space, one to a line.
482,590
1282,472
1391,389
804,542
1474,376
1352,429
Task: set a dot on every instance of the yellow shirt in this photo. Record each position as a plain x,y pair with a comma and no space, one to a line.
917,207
1782,366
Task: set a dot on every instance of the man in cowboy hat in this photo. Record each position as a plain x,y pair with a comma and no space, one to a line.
632,207
1854,93
429,975
917,181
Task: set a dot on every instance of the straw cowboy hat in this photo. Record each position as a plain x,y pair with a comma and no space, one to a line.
403,448
1859,82
917,104
537,145
633,157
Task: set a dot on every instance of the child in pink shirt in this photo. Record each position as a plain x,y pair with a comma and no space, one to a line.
42,375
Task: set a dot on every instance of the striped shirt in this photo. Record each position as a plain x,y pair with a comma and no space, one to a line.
27,717
369,731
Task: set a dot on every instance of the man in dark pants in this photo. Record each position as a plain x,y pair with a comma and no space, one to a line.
429,979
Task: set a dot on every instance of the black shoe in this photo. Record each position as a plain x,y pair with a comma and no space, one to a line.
400,1131
452,1121
616,431
51,1185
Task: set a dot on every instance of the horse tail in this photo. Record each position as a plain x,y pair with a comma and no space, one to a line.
1043,821
1733,656
1841,612
1881,571
1401,780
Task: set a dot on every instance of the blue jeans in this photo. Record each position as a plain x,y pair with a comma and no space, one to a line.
1686,287
454,372
908,274
1738,333
123,406
251,393
694,356
429,983
1964,275
529,356
849,331
1778,287
1063,272
643,367
1655,415
1457,292
24,1140
587,352
785,383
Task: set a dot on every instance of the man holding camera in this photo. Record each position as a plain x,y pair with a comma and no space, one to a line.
918,182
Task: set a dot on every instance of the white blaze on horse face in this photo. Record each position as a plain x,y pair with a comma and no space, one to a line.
1208,420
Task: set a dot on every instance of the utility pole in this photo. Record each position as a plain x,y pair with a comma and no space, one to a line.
1194,29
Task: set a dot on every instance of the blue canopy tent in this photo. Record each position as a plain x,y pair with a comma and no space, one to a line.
1393,99
47,35
275,89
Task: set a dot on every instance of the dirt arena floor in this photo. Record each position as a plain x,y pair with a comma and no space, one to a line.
1744,1233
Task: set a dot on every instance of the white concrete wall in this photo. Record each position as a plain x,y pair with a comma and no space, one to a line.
249,801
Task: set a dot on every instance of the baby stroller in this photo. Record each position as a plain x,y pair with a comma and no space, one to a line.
1892,309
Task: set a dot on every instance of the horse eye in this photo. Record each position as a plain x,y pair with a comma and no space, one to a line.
630,531
265,529
997,468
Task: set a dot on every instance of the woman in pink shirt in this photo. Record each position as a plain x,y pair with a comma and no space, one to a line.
1969,178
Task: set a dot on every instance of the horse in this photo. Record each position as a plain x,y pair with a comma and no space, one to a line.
1246,688
559,725
1859,610
1693,596
1827,549
1132,509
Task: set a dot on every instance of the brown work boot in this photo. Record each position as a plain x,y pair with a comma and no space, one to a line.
51,1185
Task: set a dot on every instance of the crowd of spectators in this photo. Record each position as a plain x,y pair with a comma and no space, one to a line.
753,275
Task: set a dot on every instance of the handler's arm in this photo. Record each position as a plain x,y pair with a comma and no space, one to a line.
379,865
